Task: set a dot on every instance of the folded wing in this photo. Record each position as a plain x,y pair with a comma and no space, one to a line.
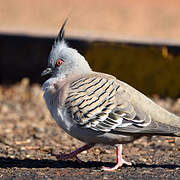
99,103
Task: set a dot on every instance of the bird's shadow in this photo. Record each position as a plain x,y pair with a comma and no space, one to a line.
46,163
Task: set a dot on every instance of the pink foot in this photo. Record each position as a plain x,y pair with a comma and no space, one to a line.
120,160
74,154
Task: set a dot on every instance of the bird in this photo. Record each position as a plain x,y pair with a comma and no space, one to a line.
97,108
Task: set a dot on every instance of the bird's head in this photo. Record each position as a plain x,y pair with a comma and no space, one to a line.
63,60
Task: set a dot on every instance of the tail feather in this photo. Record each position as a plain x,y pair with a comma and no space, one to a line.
155,128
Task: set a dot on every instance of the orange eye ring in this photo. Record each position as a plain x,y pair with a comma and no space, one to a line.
59,62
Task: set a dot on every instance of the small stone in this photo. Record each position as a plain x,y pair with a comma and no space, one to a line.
84,152
38,135
38,129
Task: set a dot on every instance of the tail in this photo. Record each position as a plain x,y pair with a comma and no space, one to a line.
163,129
166,130
155,128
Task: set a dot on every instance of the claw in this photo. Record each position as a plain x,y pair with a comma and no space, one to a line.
120,160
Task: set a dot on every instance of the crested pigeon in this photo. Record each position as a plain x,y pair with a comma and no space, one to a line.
97,108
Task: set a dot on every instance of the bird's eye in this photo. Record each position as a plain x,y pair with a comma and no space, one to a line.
59,62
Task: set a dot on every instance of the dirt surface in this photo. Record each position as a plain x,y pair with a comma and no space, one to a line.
30,139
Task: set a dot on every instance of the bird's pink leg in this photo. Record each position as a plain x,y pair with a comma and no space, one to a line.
74,153
120,160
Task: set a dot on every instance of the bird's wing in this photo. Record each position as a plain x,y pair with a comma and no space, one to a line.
98,102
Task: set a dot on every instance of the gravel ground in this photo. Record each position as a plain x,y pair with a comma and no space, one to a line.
30,139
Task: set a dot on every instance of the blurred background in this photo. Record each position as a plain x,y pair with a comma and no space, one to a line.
137,41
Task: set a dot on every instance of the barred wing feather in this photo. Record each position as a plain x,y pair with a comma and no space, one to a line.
100,104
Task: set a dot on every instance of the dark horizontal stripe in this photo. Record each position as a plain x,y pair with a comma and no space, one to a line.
103,124
94,84
79,97
89,82
70,96
110,98
108,122
88,104
95,107
98,88
101,94
100,127
84,91
78,81
108,105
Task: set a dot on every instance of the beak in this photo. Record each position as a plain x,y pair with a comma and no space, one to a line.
46,71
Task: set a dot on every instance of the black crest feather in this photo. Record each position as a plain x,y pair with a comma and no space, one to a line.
60,36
